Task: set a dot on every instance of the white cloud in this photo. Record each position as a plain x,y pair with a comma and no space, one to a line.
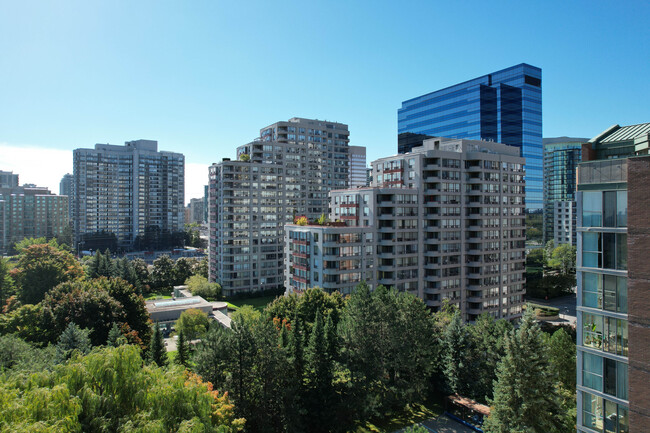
46,167
196,177
38,165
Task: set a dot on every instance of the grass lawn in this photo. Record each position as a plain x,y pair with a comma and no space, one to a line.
157,296
395,421
257,303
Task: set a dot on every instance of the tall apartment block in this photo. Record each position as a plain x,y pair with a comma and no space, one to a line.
65,188
561,158
8,179
286,173
504,106
357,167
196,211
613,341
127,189
444,222
30,212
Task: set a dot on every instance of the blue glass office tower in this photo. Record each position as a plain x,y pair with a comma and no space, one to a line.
504,106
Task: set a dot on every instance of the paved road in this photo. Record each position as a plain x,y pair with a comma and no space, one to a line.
566,304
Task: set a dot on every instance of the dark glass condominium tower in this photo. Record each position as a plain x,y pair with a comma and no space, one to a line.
504,106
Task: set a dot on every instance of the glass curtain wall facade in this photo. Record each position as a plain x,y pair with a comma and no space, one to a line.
504,106
560,162
602,308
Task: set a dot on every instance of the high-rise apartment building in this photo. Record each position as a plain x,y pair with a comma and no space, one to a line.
561,158
65,188
127,190
196,211
357,166
444,222
286,173
8,179
30,212
504,106
613,278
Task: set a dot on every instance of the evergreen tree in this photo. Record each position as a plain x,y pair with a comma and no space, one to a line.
183,350
457,356
115,337
72,339
157,350
319,402
163,276
488,341
562,356
526,397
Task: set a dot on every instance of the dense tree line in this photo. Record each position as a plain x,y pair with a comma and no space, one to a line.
309,362
318,362
85,394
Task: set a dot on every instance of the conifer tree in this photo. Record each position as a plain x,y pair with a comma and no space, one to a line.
115,336
526,398
182,347
157,351
318,377
72,339
457,356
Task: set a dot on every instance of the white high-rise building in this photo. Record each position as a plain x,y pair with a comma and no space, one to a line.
127,190
444,222
358,174
285,174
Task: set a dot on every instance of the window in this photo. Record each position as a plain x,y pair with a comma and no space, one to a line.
598,413
614,293
592,371
592,330
592,290
591,208
591,247
621,208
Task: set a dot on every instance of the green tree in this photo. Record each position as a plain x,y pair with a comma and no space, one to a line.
86,303
115,336
42,267
157,351
97,305
17,354
305,305
488,347
535,258
142,275
193,323
30,323
25,243
162,275
182,350
526,398
6,282
562,357
182,270
201,267
136,316
548,250
73,339
563,258
458,362
83,395
200,286
319,375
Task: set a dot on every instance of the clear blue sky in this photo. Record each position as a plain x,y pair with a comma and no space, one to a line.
202,77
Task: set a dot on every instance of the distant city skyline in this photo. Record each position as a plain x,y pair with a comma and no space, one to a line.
197,78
